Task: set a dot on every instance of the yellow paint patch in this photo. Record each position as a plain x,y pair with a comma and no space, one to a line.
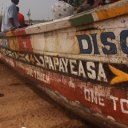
11,43
112,12
10,33
120,75
16,44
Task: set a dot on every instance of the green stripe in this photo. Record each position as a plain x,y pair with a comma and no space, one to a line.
81,19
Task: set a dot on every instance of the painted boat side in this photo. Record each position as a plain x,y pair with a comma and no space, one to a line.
84,67
91,101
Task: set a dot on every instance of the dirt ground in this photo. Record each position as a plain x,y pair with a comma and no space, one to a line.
23,107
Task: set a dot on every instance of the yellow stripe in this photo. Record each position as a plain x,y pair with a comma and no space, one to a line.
112,12
9,33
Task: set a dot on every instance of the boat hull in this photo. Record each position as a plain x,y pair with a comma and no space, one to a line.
81,65
86,99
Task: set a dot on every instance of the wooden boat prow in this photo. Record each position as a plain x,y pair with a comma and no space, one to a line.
80,61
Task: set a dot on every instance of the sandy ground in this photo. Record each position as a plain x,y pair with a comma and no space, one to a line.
21,107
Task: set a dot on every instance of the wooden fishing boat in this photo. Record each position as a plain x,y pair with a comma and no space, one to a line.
80,61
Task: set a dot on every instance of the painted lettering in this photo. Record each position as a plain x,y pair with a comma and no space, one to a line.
51,64
114,99
38,62
46,59
81,71
42,61
109,47
101,73
80,68
94,97
87,94
61,66
91,70
85,44
65,62
56,63
123,103
124,41
104,43
94,40
73,67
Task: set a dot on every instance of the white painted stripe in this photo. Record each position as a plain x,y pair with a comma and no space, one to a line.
95,17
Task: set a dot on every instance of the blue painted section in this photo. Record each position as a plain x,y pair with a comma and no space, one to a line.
89,43
109,47
87,39
123,41
95,43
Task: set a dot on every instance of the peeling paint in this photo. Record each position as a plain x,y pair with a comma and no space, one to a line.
81,61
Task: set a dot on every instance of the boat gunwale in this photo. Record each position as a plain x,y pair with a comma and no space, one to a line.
93,15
